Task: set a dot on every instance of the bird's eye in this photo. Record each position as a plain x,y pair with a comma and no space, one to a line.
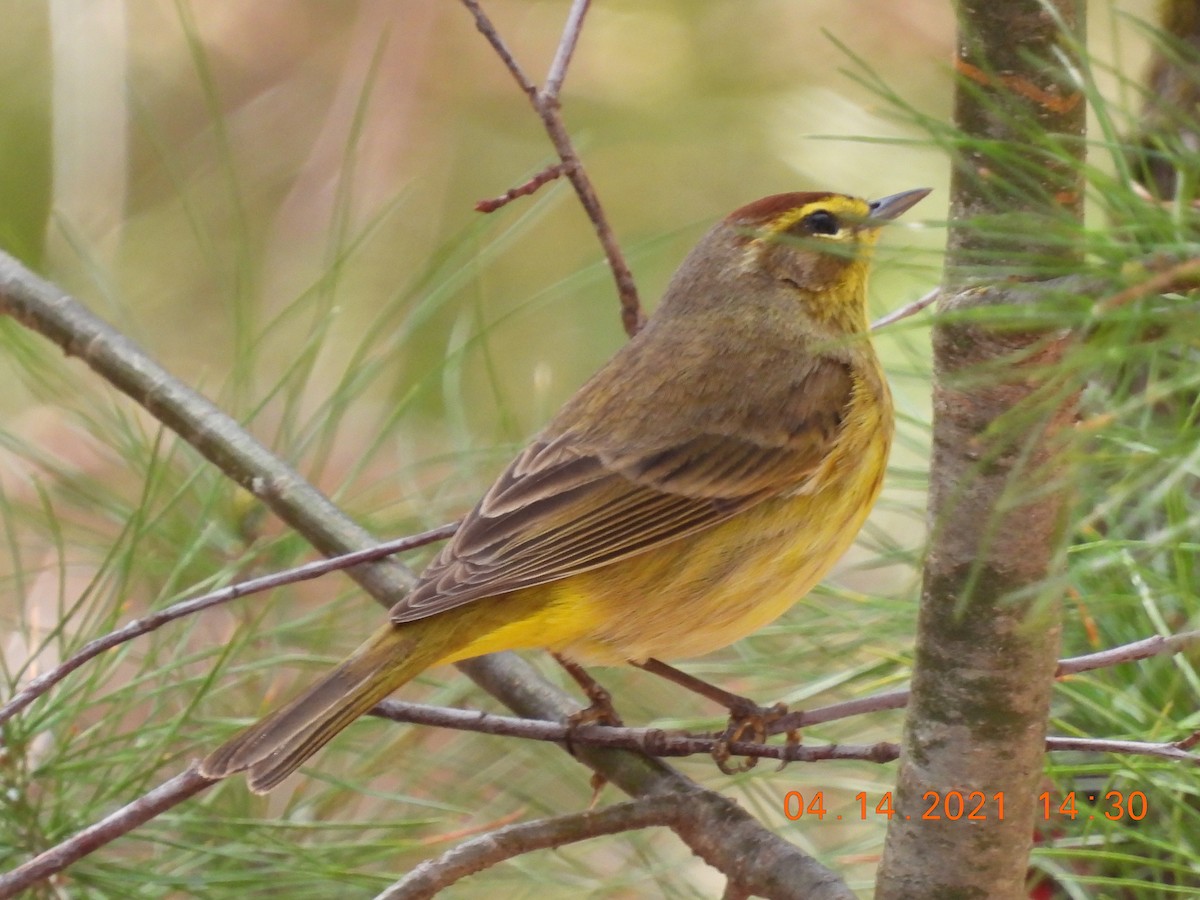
822,222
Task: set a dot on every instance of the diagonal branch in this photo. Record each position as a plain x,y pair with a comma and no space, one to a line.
128,817
705,820
488,30
155,620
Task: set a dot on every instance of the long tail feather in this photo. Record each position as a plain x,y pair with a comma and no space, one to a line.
277,745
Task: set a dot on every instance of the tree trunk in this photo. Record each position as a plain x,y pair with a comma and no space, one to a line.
989,627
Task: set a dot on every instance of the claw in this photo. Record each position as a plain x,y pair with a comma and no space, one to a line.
747,722
793,740
598,782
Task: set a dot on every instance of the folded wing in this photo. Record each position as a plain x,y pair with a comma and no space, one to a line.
575,501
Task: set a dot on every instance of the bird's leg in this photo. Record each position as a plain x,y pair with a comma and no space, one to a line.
747,720
601,710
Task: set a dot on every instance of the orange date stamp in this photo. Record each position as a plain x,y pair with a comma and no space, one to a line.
972,806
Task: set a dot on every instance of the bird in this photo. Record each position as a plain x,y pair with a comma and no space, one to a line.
692,490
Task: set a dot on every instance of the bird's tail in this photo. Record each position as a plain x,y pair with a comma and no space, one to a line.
278,744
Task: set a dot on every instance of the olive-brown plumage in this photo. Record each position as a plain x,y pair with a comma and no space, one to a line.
694,488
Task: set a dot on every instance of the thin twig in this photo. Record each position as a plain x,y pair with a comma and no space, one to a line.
803,718
566,49
488,30
146,624
905,311
49,862
1188,742
1158,645
521,190
546,104
1172,750
632,316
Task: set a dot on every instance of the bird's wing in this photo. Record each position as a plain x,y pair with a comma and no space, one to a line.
569,503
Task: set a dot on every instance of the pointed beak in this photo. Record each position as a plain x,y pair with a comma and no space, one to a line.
883,211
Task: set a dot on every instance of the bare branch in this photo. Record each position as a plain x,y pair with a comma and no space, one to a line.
469,857
1172,751
146,624
904,312
703,819
124,820
522,190
652,741
566,48
47,309
632,316
667,744
1144,649
488,30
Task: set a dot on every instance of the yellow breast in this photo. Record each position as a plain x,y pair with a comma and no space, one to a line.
706,592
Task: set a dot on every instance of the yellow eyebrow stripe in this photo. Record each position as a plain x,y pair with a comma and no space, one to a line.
849,207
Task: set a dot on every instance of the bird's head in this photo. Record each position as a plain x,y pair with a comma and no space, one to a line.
807,248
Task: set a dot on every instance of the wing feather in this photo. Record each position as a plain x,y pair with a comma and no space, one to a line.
579,498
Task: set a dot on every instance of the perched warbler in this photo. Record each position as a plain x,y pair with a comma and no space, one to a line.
696,487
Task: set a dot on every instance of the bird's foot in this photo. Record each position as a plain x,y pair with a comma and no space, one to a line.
748,722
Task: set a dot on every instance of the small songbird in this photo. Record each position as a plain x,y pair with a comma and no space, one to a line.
689,493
